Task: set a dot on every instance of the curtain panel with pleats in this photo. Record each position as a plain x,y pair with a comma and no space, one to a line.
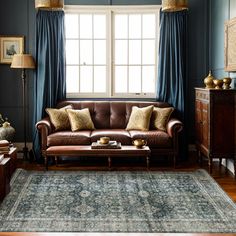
172,66
50,82
171,82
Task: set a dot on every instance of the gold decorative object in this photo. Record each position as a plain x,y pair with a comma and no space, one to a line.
218,83
208,81
49,4
174,5
227,81
104,140
139,143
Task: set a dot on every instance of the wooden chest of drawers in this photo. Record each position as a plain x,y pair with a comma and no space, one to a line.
215,122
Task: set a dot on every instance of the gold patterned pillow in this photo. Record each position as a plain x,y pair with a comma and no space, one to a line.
80,119
59,117
140,118
161,116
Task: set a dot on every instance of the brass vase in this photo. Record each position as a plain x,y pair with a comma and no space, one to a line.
208,81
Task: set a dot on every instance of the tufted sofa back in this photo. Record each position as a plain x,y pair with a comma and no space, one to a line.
109,114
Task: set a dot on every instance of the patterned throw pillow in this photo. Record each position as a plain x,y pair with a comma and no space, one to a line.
140,118
161,117
59,117
80,119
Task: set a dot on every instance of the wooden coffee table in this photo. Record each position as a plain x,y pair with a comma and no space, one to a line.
125,151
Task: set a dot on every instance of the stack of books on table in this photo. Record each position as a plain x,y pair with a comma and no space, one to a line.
4,147
110,145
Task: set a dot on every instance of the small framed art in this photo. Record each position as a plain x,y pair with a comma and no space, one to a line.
230,46
10,45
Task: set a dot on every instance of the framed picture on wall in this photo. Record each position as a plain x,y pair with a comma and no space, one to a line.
230,45
10,45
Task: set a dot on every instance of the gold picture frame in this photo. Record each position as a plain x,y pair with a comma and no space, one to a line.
230,46
10,45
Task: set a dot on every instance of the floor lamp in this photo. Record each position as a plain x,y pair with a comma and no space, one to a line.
23,61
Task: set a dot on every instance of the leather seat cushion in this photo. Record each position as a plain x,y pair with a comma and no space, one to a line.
69,138
120,135
155,138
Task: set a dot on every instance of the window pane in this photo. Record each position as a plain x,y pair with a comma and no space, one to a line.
148,79
86,52
148,51
99,79
72,26
86,79
72,79
121,26
99,26
135,26
121,56
72,52
135,79
149,26
100,52
86,26
121,79
134,52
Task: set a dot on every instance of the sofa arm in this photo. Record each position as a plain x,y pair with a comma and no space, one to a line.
44,127
174,126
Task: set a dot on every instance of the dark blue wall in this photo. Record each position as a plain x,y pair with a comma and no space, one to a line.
219,12
17,17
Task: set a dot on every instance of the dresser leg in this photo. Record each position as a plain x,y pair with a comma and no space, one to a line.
210,164
199,155
220,161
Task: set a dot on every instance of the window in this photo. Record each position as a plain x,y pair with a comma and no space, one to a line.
111,51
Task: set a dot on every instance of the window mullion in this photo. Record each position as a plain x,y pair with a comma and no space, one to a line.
128,40
110,53
79,51
141,54
93,52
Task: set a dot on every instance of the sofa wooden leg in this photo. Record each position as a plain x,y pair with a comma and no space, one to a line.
56,160
148,162
174,159
46,162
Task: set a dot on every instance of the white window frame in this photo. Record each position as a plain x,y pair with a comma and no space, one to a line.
109,10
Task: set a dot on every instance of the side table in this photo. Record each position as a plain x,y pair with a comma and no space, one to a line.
12,154
4,177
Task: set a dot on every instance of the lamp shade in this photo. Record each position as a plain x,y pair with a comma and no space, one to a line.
49,4
174,5
23,61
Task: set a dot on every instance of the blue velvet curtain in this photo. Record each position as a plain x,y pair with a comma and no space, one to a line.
50,82
171,85
172,68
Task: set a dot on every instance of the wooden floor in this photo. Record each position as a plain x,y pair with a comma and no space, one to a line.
223,177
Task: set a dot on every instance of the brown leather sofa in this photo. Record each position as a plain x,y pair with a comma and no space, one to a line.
110,119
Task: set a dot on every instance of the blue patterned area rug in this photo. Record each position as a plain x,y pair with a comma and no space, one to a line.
102,201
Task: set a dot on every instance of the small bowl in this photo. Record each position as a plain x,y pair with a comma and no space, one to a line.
227,81
139,143
104,140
